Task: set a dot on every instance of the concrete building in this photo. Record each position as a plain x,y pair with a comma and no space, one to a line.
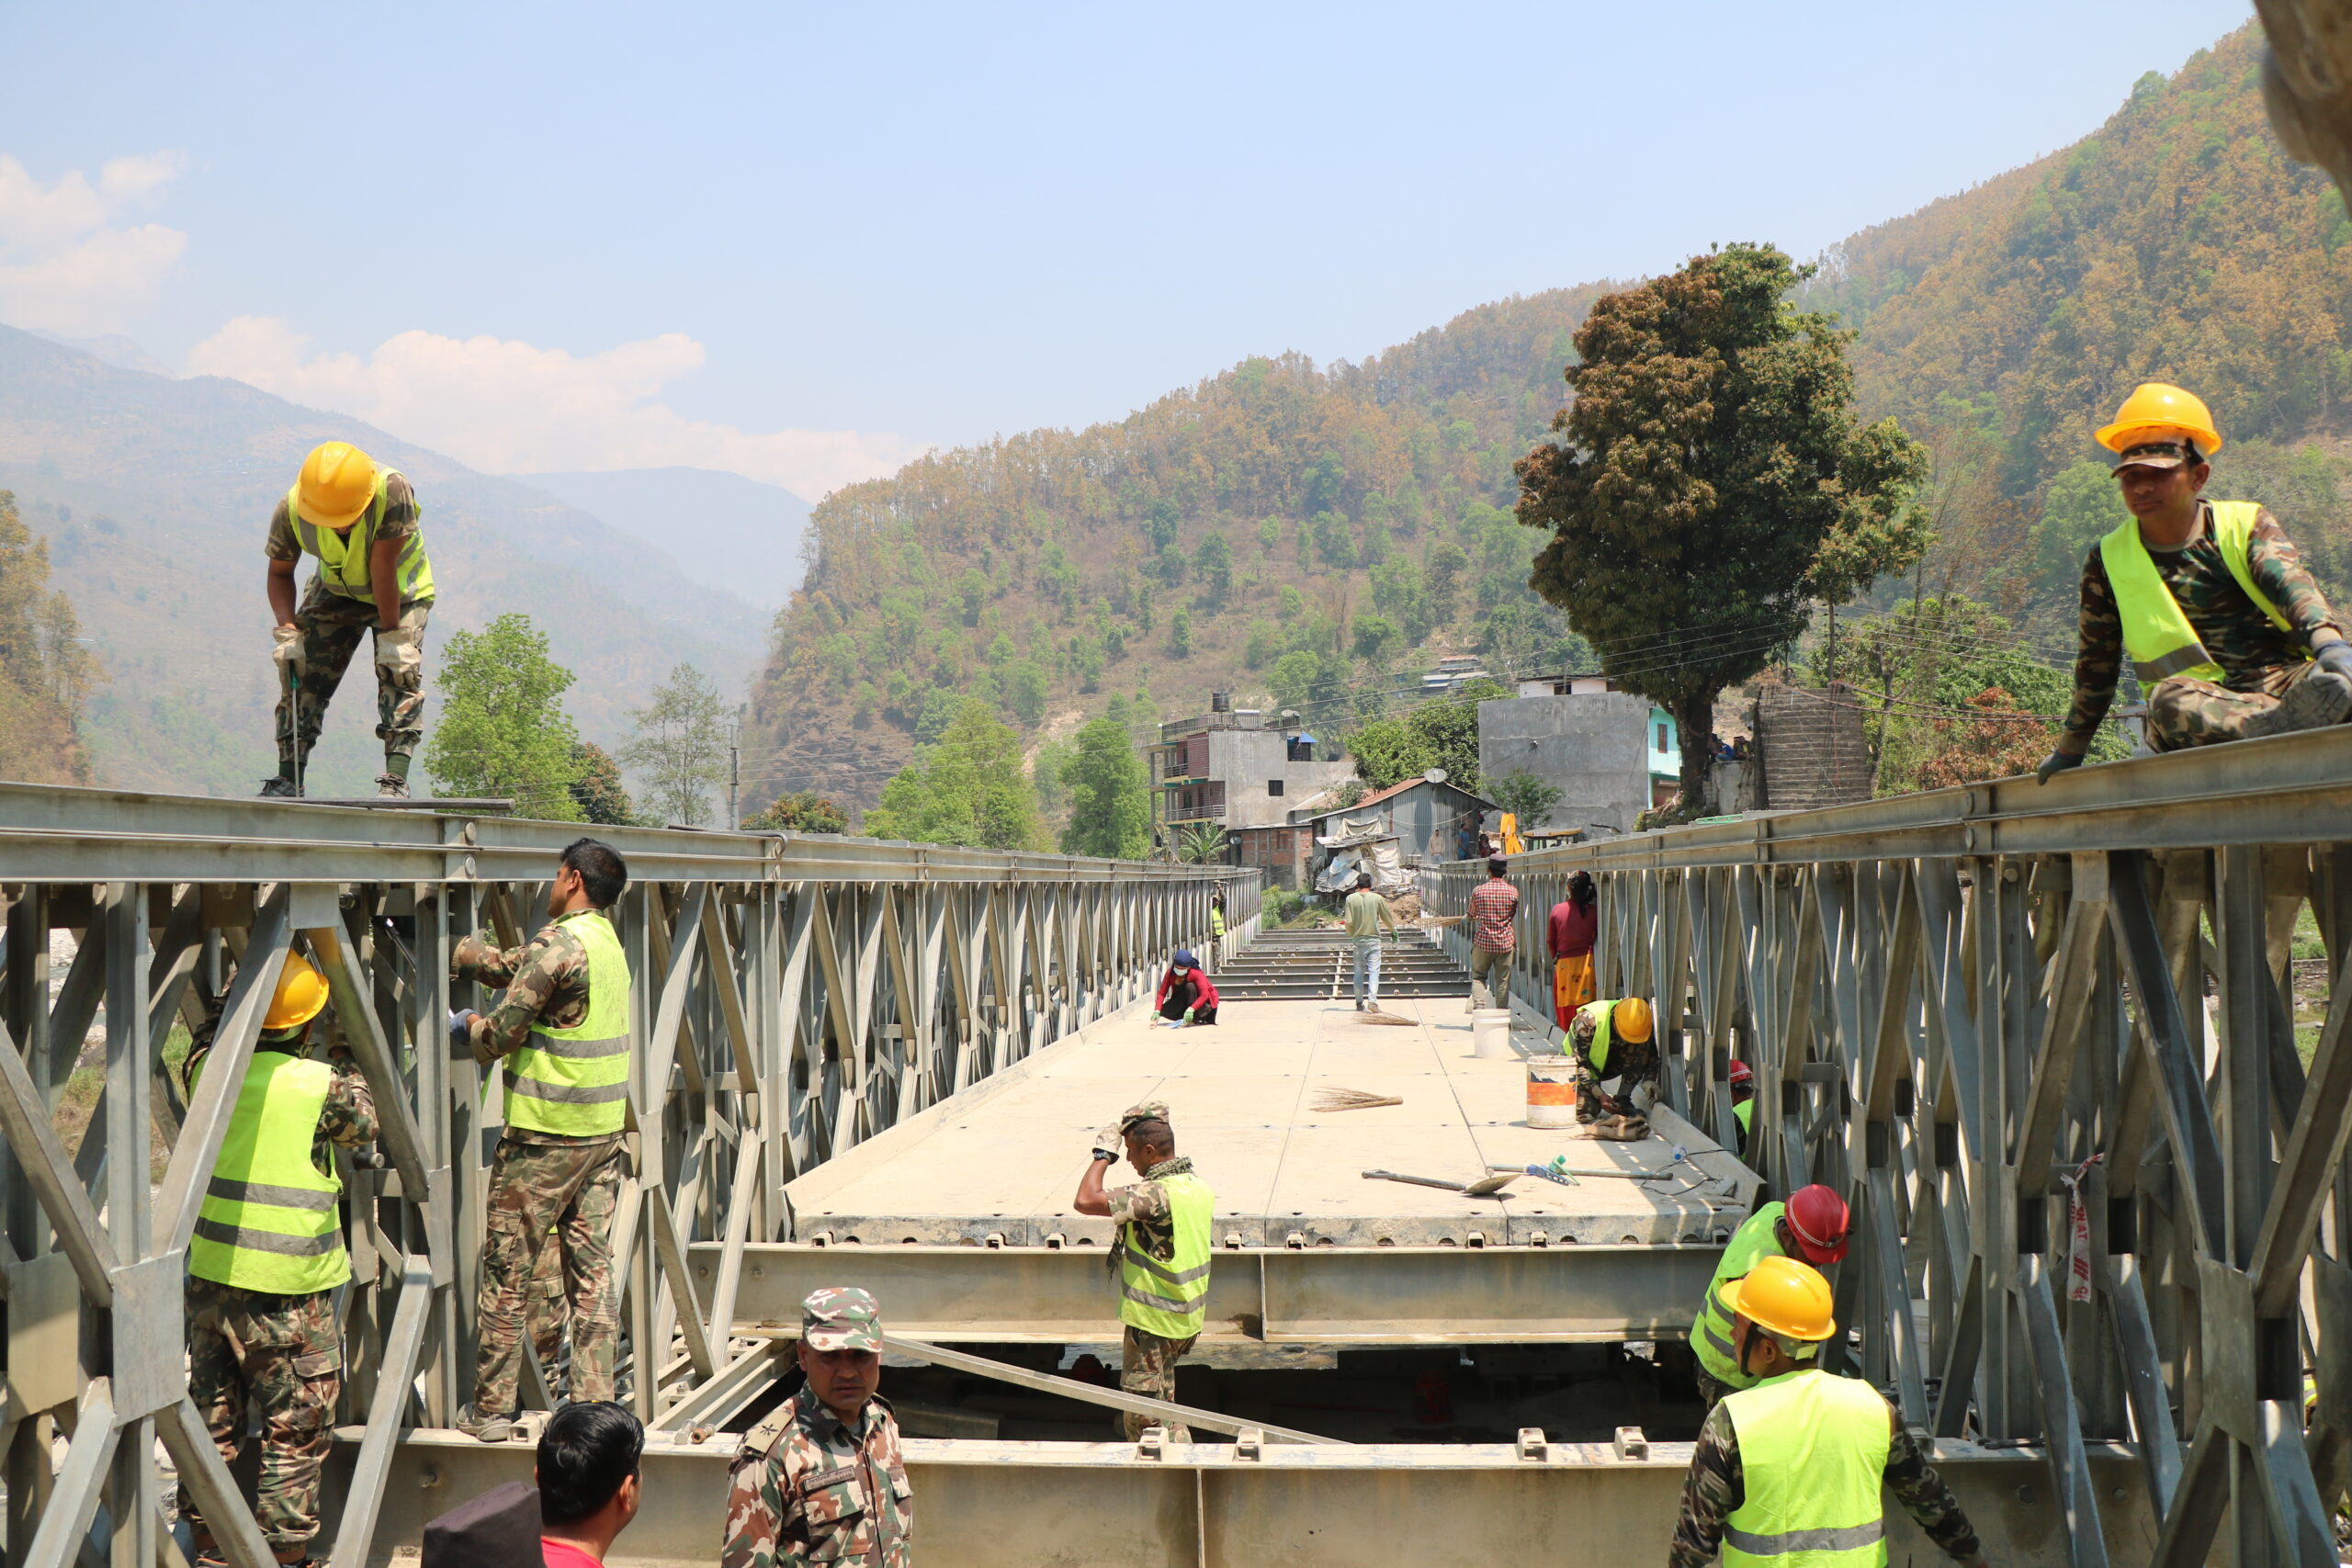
1237,767
1423,817
1612,755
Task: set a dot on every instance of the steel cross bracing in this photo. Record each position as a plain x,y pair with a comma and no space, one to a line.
793,996
2042,1040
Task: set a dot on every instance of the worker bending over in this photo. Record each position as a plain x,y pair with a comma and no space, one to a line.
265,1261
1160,1257
822,1479
361,523
1788,1470
1810,1227
1611,1040
2228,633
562,1030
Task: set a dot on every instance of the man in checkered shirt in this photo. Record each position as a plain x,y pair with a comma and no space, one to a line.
1494,937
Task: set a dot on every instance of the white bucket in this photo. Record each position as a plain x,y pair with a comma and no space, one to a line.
1490,1035
1550,1091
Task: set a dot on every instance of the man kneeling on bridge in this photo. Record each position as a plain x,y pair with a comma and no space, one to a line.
1161,1255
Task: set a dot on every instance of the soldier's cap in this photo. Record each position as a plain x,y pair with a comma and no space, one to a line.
2158,453
1150,1110
841,1318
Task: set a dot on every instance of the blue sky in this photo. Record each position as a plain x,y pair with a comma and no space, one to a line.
803,243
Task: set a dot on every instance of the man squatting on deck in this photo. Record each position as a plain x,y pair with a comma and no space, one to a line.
1160,1256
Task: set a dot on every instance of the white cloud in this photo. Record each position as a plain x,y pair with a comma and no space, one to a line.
511,408
67,261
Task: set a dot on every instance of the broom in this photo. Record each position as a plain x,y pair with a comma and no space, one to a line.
1352,1099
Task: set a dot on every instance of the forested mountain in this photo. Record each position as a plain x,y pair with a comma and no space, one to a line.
44,671
1287,532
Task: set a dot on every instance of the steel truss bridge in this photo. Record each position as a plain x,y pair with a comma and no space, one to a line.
794,996
2043,1040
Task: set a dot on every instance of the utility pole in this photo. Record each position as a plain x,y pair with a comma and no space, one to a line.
734,774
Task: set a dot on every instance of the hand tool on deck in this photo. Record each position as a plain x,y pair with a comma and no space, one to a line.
1485,1186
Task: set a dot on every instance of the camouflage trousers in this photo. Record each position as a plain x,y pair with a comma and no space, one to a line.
332,627
1630,1064
544,1196
2185,711
1147,1367
285,1355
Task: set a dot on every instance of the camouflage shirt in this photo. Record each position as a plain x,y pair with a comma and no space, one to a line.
1716,1486
545,981
805,1488
2241,639
1143,1212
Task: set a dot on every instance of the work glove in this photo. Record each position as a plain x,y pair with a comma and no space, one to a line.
461,1032
402,647
2055,763
1109,1142
2336,658
286,646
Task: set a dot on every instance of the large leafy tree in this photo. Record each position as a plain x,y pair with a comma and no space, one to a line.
1439,734
1708,457
970,789
1110,797
597,786
680,747
503,730
800,811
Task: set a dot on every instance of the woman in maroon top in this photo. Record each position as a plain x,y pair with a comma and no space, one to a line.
1575,923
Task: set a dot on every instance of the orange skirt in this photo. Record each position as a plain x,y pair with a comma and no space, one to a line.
1571,985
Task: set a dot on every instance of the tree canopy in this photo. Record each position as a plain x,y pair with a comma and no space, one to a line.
45,673
680,747
1440,733
799,811
1708,457
969,789
1110,796
503,730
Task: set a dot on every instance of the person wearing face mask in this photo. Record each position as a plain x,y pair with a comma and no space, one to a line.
2229,634
1186,994
562,1033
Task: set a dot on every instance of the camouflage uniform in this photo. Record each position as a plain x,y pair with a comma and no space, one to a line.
807,1487
543,1187
1717,1485
283,1353
333,626
1146,1362
1631,1062
2259,662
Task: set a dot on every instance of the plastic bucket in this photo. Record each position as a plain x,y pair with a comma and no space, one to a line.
1550,1091
1490,1035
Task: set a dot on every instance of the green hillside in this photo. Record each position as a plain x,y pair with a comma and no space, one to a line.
1298,536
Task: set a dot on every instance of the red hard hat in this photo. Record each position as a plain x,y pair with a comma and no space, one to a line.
1742,1073
1818,1220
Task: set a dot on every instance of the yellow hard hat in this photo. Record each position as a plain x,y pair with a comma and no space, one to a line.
338,481
1785,1296
1631,1020
301,992
2154,405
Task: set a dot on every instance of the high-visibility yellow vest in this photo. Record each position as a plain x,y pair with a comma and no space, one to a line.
268,1220
1813,1452
1711,1335
1600,1012
1171,1299
2155,632
574,1081
1744,1114
343,556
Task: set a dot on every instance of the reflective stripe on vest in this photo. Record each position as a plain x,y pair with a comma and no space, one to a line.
1711,1334
1602,1013
268,1220
1813,1452
2156,632
574,1082
1171,1299
343,556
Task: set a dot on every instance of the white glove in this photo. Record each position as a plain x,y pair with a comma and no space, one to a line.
286,646
402,647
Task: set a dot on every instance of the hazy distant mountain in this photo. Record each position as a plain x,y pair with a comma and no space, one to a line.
116,350
154,495
724,531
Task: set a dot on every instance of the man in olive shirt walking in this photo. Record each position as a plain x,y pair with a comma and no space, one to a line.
1368,915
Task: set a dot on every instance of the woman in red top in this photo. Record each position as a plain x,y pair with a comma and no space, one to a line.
1185,989
1576,921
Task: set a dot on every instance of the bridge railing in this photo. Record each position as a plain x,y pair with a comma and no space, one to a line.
793,995
2046,1041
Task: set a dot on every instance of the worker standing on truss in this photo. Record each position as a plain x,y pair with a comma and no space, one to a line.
2229,634
1160,1256
1788,1471
266,1259
361,524
562,1028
